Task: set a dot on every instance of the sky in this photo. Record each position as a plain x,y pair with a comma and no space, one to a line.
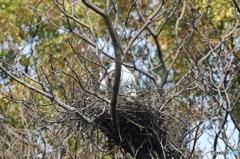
205,142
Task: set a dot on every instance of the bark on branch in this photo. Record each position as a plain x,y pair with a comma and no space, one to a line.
118,58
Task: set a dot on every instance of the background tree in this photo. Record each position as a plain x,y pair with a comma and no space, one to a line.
184,55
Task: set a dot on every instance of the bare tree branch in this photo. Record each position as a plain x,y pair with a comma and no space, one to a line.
118,59
236,5
63,105
94,8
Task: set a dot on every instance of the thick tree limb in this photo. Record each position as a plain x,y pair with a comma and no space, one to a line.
118,59
94,8
236,5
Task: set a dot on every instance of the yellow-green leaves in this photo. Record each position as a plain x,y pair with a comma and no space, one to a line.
221,11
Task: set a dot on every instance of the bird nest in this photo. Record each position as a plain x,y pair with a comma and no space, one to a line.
145,129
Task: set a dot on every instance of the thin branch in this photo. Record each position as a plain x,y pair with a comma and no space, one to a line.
221,128
77,79
25,84
9,131
71,16
156,40
152,32
63,105
217,46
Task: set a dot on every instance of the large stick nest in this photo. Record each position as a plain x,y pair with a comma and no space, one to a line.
144,130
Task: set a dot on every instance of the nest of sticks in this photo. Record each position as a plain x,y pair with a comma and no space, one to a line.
144,131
